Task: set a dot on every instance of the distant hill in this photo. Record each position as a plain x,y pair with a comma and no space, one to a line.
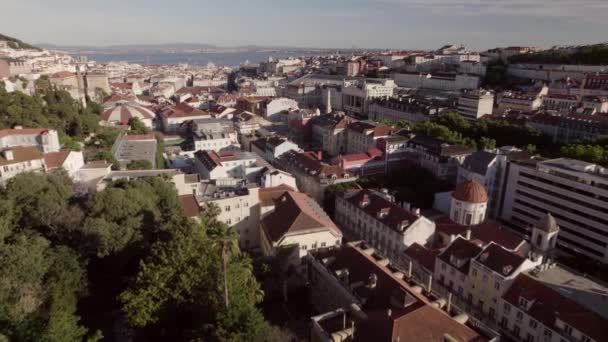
596,54
15,43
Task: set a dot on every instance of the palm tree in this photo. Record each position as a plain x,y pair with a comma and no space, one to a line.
225,238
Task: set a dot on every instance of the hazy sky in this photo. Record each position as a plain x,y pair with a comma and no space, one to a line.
308,23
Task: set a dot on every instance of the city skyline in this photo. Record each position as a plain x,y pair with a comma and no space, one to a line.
411,24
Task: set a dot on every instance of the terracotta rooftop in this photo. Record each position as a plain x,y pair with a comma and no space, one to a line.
470,191
19,131
189,205
269,195
380,209
500,260
55,160
182,110
296,213
548,306
21,154
418,321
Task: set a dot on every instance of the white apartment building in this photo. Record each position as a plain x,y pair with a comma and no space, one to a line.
373,216
46,140
273,147
452,82
573,191
356,98
215,135
274,177
227,165
69,161
475,104
20,159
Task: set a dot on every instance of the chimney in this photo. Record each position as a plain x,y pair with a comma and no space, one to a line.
468,234
8,155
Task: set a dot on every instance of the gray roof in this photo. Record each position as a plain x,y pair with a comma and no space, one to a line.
479,161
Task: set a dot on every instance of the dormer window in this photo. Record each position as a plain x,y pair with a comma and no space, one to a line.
507,269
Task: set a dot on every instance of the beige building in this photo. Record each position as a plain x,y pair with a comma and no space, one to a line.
374,217
297,220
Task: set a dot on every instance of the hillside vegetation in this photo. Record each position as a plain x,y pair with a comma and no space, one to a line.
16,43
596,54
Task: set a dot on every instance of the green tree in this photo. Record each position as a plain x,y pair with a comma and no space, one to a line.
179,290
140,165
225,240
137,127
39,290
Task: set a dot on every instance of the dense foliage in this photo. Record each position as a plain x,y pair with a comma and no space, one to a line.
15,43
596,54
140,165
66,257
592,151
51,109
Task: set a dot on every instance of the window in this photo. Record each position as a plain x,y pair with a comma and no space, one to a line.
474,272
523,302
497,285
529,338
585,339
504,322
314,246
533,324
227,208
492,313
519,316
443,266
481,304
516,330
485,278
303,247
467,219
323,244
228,221
568,329
507,307
548,333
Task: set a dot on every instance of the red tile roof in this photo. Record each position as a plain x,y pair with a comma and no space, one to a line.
424,256
55,160
182,110
548,305
62,74
297,213
417,322
500,260
21,154
19,131
371,203
268,195
189,205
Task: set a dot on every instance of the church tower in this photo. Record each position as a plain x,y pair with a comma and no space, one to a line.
469,203
544,235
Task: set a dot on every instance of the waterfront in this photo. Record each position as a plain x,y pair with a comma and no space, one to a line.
202,59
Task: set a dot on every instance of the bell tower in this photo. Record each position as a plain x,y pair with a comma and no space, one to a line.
544,235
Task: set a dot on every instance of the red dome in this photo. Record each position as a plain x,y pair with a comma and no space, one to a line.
470,191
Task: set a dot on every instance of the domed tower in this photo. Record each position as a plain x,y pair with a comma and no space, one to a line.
544,235
469,203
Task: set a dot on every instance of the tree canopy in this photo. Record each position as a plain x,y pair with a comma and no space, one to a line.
50,109
126,249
